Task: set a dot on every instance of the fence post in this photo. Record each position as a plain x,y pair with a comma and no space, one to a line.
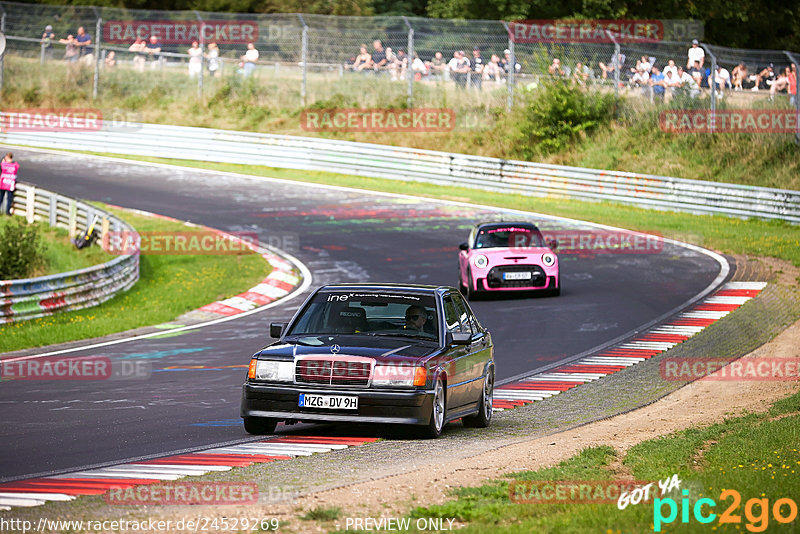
410,56
304,59
794,60
97,34
511,69
713,121
202,56
3,53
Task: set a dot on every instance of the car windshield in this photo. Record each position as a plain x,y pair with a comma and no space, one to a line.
508,237
369,314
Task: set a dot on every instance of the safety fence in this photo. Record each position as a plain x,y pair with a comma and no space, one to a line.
31,298
442,168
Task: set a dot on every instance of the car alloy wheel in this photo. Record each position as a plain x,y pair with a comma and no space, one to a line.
485,406
438,410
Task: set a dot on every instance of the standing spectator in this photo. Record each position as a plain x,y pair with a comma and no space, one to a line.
555,68
437,65
153,49
657,84
8,180
213,59
379,59
47,42
695,54
792,84
493,69
459,68
195,59
84,40
738,76
476,66
249,59
111,60
617,63
670,67
71,50
721,80
140,56
363,59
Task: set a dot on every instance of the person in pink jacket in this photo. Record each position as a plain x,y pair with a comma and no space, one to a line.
8,180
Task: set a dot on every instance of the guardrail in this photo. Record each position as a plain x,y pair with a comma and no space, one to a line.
381,161
31,298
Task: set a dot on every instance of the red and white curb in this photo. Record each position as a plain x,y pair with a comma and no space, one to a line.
642,347
37,491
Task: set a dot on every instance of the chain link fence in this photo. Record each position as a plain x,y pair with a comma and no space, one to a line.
315,61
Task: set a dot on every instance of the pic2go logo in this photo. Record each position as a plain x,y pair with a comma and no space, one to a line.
756,511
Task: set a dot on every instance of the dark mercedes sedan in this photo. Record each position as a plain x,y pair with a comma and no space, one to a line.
369,353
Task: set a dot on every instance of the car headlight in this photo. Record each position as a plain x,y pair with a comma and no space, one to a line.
548,259
271,370
481,261
398,376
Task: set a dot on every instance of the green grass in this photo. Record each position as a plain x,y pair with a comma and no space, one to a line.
753,237
271,103
169,286
756,455
61,255
322,513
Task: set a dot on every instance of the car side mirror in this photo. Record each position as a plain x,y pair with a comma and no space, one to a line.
463,246
458,338
553,244
276,329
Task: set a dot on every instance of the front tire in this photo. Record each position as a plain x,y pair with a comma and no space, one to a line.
484,416
434,427
259,426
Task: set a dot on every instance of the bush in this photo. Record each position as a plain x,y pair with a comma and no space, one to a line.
22,250
558,115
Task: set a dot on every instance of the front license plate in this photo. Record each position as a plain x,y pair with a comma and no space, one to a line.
330,402
517,276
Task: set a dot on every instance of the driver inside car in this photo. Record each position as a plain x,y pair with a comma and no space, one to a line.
416,317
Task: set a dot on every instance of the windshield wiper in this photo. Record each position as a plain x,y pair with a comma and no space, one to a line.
403,334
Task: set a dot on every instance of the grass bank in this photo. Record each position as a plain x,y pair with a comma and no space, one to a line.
744,465
169,285
271,103
753,237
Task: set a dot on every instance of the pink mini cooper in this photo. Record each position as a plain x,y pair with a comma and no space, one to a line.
507,256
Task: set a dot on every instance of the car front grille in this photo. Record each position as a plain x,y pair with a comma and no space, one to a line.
333,372
537,279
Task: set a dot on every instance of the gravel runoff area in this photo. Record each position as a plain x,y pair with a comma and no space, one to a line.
387,478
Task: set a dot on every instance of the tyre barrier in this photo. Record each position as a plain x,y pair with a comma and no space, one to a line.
31,298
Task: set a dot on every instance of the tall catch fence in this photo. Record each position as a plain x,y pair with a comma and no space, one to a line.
316,61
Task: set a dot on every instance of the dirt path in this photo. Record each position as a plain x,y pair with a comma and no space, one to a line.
700,403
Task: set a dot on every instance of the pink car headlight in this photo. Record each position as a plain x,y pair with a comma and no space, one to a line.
480,261
548,259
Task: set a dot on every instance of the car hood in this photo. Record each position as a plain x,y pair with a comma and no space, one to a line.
510,253
382,349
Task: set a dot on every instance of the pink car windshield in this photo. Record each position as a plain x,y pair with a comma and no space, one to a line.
508,237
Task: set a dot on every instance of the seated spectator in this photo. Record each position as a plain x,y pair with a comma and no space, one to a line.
111,60
696,73
555,68
765,78
506,62
644,63
695,55
738,76
195,59
401,63
671,83
70,49
493,70
722,80
418,67
688,83
379,59
391,62
670,67
656,83
781,83
641,78
153,50
459,68
363,59
581,74
138,47
617,63
437,65
249,59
